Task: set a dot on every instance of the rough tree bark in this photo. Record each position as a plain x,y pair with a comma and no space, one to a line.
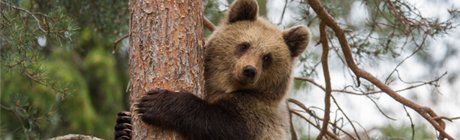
166,39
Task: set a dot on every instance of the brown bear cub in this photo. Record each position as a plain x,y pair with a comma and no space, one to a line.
248,64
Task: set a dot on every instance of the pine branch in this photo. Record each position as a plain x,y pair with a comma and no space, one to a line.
425,112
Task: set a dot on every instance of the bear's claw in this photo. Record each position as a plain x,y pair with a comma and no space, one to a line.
123,126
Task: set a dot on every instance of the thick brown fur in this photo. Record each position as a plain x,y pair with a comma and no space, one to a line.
248,66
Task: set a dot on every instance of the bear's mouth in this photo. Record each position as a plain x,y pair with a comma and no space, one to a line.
245,81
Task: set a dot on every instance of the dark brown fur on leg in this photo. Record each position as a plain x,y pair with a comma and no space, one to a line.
195,118
123,126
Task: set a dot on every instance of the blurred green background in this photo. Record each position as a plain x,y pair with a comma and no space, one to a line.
58,73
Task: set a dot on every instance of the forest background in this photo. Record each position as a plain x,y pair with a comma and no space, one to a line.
64,65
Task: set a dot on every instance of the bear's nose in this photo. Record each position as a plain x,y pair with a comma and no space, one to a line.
249,71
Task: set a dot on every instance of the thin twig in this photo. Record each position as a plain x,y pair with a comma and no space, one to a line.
446,118
407,57
347,118
292,128
311,113
282,13
327,78
28,12
115,44
380,109
411,123
370,92
17,117
208,24
328,133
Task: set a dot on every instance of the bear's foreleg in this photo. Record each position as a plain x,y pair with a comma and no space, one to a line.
195,118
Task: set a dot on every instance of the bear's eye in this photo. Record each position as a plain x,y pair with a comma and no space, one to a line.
243,47
267,60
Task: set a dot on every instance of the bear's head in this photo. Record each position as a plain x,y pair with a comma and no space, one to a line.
246,52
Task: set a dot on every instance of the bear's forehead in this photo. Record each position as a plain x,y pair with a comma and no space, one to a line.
258,28
257,32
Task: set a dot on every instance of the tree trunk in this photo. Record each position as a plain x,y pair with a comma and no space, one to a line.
166,51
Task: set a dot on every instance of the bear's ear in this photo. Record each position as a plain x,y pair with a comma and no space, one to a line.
297,39
243,10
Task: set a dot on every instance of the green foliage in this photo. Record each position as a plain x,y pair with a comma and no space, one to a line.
391,132
298,84
58,75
